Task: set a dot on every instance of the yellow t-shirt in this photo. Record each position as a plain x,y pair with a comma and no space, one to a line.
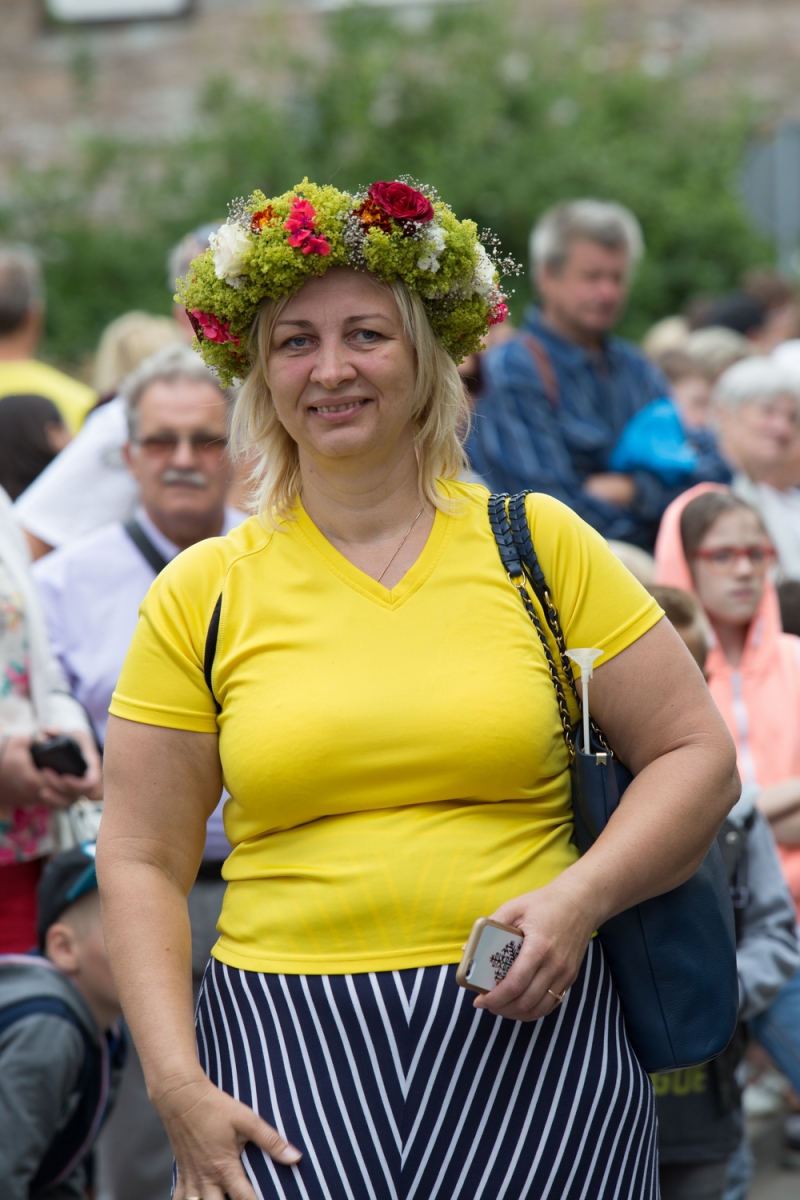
27,377
395,759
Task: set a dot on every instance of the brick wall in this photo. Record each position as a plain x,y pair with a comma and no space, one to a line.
143,79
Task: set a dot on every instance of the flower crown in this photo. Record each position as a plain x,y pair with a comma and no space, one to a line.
268,249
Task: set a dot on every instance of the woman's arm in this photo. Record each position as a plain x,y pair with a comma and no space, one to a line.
657,713
161,787
780,799
786,830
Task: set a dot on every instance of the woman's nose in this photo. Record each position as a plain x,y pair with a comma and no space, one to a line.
332,365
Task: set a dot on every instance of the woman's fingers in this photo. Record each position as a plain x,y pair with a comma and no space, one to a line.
553,948
209,1129
256,1130
539,1000
205,1191
54,792
235,1187
525,993
91,784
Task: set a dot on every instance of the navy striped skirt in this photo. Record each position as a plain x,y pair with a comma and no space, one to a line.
395,1088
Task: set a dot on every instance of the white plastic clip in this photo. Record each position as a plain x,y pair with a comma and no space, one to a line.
585,660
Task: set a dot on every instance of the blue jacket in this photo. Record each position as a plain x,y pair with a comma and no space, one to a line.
656,440
521,439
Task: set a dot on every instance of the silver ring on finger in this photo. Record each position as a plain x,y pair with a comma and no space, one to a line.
557,996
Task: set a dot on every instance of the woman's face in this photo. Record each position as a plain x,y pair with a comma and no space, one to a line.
727,575
341,371
759,436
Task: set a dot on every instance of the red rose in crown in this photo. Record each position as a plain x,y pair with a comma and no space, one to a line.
402,202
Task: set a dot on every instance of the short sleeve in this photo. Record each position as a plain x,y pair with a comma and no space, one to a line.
599,601
162,680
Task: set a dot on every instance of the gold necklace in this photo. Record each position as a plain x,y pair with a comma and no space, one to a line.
400,547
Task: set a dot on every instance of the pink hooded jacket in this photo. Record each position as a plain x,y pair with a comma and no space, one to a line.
760,700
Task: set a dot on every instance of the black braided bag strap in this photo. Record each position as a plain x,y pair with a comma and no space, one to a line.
517,551
521,532
513,563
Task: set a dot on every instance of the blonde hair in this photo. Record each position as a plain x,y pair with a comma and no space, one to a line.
128,341
440,415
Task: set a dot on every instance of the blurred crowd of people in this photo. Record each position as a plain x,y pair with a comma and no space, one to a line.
684,453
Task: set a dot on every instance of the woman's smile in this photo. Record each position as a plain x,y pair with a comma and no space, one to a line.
338,412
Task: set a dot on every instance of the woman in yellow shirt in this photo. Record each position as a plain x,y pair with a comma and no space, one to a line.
355,666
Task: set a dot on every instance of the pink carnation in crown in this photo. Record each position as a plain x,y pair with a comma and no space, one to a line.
498,313
300,224
207,326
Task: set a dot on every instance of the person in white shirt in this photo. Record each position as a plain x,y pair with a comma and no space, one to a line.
91,589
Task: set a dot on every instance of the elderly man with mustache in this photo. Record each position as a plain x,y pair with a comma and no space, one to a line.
91,588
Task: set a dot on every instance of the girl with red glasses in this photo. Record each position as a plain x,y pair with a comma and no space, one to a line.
713,544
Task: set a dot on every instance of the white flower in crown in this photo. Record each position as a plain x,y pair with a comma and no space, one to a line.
483,281
435,238
231,246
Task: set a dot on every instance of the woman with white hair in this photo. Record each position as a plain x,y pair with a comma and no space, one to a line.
758,414
356,663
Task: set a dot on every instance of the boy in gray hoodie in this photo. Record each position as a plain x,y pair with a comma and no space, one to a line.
61,1051
700,1123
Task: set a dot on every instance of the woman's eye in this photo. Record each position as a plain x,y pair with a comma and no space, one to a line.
300,342
367,336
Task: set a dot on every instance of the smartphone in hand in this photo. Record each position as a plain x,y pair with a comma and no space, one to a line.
488,955
61,754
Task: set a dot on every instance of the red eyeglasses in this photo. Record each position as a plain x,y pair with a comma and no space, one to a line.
723,558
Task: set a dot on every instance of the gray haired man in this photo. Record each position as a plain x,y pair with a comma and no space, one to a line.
558,396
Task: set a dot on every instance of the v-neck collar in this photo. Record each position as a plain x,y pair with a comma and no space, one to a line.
359,581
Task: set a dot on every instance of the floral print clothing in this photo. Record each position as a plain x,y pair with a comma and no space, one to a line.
25,833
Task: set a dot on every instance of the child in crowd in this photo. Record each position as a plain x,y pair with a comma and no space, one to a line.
699,1109
671,437
714,544
61,1052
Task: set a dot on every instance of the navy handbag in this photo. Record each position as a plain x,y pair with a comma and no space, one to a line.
673,957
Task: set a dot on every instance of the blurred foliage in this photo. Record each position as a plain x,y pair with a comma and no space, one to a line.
503,119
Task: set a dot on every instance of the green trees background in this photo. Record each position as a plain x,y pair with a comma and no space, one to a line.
504,120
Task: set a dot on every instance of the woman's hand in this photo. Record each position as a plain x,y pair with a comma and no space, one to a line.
558,925
89,785
208,1131
24,785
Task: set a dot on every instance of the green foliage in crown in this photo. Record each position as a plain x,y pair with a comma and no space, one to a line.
268,248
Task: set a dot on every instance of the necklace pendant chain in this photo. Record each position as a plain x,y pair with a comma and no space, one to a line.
400,547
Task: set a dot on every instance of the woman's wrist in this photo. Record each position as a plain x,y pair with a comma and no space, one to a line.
169,1091
590,896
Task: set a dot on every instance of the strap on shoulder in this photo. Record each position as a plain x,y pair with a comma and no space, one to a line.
538,352
513,536
521,532
513,554
51,1006
152,556
211,649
